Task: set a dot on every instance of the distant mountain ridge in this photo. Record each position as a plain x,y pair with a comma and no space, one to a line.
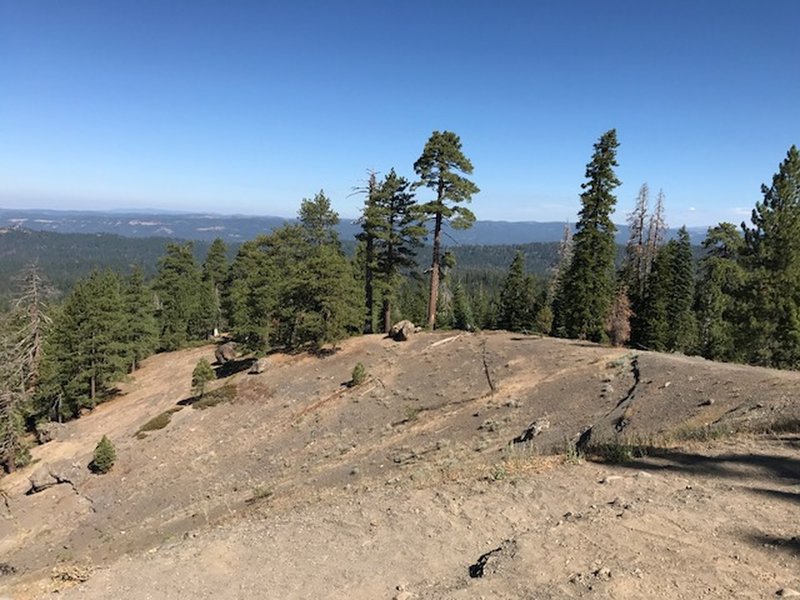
239,228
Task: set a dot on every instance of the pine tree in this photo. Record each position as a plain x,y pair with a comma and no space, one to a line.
323,298
656,233
636,267
462,312
22,333
104,457
398,231
319,220
201,376
515,312
588,287
772,259
215,273
250,293
179,288
618,322
682,324
719,286
438,168
556,299
87,350
667,321
370,221
141,332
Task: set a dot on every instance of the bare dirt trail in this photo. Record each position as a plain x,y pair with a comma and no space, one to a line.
302,486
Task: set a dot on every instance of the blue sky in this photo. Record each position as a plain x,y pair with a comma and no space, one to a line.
247,107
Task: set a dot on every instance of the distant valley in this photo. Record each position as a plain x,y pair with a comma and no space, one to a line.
239,228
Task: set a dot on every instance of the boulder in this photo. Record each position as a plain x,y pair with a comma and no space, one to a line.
225,353
57,473
258,367
402,330
49,431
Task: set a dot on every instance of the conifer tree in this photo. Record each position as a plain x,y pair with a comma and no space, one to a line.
588,287
215,273
141,332
438,169
250,294
397,230
201,376
370,221
462,312
104,456
636,267
667,321
772,259
717,303
87,350
515,311
22,333
682,323
618,322
179,288
318,220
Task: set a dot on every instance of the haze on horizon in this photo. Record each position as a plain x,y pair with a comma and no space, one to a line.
249,107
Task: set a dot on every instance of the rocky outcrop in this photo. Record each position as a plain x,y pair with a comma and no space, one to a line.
225,353
402,330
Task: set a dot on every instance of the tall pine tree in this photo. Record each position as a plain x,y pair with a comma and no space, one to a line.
438,168
588,286
398,232
772,259
717,305
516,309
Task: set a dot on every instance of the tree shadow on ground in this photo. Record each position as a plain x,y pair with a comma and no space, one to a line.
232,367
731,465
788,545
772,469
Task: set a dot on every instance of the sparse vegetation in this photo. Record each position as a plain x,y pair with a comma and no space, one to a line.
226,393
158,422
201,376
105,455
260,492
359,375
620,449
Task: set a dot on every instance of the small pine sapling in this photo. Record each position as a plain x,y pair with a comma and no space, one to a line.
104,456
202,374
359,375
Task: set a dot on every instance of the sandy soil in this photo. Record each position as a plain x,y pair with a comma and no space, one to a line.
303,487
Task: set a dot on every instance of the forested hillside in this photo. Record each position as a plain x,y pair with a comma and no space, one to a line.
65,258
299,288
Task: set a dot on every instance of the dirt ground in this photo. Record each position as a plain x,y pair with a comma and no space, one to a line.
442,476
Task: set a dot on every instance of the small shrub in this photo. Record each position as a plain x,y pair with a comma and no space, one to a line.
411,413
572,455
359,375
104,456
202,374
259,493
618,451
158,422
226,393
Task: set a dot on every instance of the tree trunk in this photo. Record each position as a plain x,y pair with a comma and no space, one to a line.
368,291
387,315
434,295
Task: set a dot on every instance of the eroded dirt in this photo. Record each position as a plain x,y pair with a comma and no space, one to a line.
305,487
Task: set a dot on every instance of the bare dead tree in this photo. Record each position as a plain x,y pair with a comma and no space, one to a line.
21,342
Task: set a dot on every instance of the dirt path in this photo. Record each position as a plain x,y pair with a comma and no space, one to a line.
721,524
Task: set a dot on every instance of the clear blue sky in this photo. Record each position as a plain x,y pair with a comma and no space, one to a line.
247,107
